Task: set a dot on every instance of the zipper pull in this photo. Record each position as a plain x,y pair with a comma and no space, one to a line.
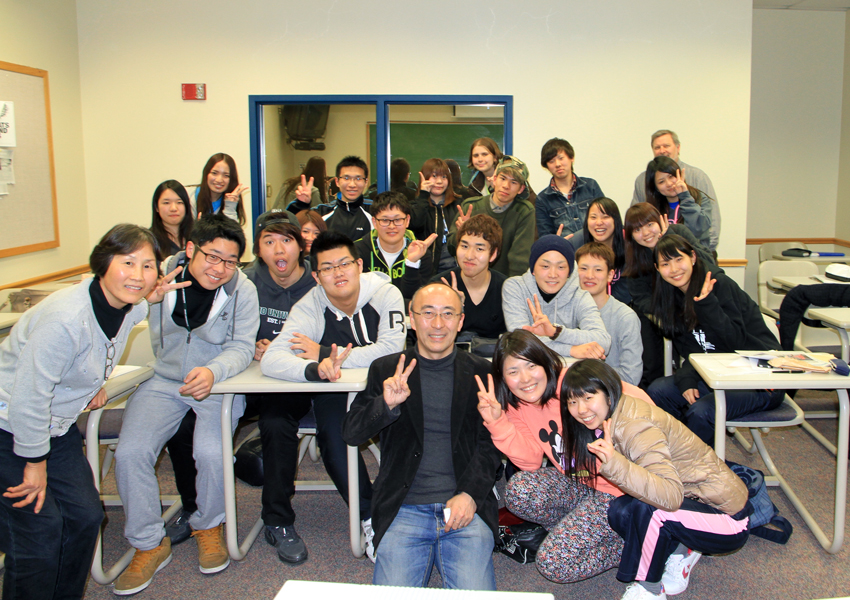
189,338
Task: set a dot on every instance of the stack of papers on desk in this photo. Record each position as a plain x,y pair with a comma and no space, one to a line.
780,360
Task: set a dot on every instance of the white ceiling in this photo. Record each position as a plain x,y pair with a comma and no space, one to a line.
841,5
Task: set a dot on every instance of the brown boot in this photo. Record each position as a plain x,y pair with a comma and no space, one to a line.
212,550
145,564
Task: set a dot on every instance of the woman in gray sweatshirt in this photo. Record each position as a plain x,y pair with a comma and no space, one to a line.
52,367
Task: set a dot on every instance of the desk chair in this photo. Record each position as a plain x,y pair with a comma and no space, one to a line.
788,414
770,296
766,251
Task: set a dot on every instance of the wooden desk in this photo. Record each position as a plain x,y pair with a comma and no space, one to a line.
252,381
716,372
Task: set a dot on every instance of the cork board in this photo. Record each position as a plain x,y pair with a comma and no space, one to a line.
29,211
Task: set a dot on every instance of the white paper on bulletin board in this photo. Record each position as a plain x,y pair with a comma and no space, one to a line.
7,124
7,165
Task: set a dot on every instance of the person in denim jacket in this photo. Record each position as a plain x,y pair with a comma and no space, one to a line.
566,200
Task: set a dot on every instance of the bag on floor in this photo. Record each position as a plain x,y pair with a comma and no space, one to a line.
765,521
521,541
249,462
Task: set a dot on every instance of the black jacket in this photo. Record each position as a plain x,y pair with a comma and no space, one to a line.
640,288
406,279
474,456
275,301
350,218
426,218
729,320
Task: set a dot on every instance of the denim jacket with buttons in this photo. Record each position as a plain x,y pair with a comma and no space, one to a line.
554,209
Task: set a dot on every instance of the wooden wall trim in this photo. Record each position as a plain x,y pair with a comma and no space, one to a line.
836,241
732,262
48,277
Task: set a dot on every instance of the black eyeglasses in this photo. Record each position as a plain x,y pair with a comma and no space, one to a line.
216,260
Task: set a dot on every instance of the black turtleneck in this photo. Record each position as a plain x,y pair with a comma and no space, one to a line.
547,298
198,302
108,317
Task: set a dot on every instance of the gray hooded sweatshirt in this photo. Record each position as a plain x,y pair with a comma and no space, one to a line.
572,308
375,329
224,344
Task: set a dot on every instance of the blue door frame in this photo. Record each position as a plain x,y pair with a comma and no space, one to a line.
381,103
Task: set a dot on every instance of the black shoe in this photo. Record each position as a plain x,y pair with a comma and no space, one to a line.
289,545
178,528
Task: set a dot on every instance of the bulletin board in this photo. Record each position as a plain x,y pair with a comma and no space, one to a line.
28,210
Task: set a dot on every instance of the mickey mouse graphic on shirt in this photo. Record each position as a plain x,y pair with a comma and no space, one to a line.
554,440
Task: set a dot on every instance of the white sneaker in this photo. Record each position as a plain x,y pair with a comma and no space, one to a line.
369,534
677,572
636,591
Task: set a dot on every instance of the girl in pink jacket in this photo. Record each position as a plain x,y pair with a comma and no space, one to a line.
521,408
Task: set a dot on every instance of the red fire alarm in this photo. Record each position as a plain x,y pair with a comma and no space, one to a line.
194,91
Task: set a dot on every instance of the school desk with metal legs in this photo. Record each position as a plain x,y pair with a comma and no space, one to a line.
252,381
717,373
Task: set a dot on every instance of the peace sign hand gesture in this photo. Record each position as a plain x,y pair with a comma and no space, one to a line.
602,447
453,285
541,325
488,406
396,390
417,248
425,183
304,192
680,184
236,194
560,230
463,218
164,285
329,367
706,287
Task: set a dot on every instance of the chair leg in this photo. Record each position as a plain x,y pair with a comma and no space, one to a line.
819,437
313,447
748,446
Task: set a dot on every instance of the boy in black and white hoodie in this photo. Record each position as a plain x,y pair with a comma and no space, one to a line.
201,335
348,320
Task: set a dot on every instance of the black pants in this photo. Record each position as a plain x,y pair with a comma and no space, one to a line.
797,302
49,554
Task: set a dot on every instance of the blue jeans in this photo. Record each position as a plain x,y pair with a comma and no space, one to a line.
416,541
699,416
49,554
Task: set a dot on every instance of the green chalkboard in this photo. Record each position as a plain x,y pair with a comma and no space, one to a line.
417,142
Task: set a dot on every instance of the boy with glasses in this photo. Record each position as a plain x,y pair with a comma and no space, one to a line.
349,216
391,247
514,214
201,334
354,318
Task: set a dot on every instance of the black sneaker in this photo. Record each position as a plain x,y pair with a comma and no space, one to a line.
289,545
178,528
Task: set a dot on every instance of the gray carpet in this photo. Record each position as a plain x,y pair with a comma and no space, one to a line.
761,570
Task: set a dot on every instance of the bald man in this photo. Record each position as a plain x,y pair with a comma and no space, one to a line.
438,462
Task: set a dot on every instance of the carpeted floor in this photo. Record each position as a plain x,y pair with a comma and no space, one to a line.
761,570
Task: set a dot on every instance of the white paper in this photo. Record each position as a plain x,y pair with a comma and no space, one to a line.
7,124
7,165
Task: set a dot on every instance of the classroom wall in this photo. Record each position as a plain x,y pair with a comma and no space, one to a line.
42,34
602,75
795,122
796,129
